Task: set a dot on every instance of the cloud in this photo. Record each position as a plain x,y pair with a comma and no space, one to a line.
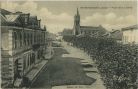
57,22
28,7
53,22
109,21
9,6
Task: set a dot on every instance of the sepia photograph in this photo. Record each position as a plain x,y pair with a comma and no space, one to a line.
69,44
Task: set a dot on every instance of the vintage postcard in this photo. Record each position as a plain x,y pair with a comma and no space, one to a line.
69,44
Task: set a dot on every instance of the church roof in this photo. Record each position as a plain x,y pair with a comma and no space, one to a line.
91,28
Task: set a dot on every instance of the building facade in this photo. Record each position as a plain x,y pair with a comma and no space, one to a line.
130,35
86,30
22,45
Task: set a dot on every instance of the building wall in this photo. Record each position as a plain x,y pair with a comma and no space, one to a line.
5,41
5,71
22,48
130,36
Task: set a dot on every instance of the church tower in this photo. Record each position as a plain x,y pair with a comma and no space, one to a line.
77,23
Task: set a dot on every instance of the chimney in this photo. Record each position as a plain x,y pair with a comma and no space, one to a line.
39,23
26,18
45,28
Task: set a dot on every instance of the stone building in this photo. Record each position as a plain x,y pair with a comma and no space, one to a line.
86,30
22,45
130,35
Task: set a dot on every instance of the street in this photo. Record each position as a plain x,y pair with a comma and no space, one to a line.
65,70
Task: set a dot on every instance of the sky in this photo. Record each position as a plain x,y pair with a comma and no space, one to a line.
57,15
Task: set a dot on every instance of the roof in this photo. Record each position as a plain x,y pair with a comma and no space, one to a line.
91,28
12,17
3,19
133,27
19,19
4,12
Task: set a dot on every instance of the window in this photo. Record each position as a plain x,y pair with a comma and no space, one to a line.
26,19
31,39
28,39
24,64
28,58
20,36
24,38
15,40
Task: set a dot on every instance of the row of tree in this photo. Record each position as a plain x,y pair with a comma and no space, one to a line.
117,63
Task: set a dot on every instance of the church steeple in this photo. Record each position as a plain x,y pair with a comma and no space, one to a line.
77,23
77,17
77,11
